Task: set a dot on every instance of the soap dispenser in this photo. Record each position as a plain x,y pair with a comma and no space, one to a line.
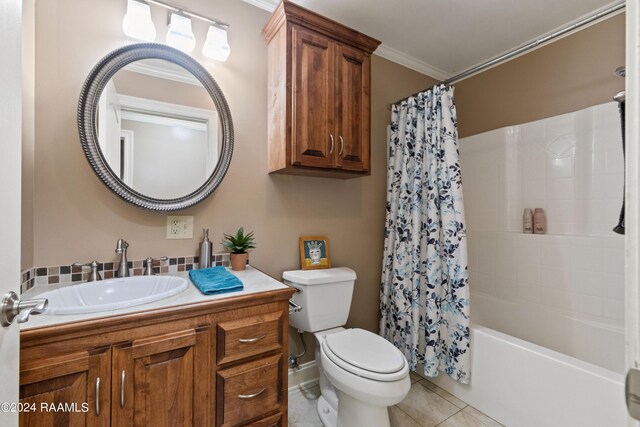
205,249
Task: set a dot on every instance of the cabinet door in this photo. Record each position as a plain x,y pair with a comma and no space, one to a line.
353,105
312,124
163,380
69,390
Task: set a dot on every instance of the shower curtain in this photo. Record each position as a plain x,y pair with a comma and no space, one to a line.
424,304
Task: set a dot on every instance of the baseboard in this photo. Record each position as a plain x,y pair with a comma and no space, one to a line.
306,375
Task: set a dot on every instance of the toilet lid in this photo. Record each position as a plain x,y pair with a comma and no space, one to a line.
371,355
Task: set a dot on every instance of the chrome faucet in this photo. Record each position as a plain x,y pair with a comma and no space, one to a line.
121,249
148,265
95,274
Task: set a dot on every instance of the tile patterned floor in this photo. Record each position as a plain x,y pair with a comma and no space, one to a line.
426,405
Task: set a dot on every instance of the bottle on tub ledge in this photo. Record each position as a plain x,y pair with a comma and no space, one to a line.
527,221
539,222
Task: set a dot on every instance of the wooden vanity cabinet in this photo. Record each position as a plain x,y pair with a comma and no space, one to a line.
166,377
217,364
70,389
319,95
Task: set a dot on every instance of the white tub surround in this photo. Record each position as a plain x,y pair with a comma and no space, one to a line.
565,293
554,355
570,165
563,290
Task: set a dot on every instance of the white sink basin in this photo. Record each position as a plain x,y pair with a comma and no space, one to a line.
112,294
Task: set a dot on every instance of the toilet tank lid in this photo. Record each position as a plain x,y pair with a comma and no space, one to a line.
319,277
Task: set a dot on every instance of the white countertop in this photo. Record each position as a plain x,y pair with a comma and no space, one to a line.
254,281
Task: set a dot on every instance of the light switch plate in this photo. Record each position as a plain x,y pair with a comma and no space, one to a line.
179,227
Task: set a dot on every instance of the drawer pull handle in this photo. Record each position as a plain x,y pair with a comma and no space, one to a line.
97,396
122,390
251,396
252,340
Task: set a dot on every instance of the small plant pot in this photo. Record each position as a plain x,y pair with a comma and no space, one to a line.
239,261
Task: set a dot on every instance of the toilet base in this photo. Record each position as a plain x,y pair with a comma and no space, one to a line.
356,413
327,414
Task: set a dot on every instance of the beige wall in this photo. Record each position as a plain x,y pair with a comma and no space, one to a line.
568,75
78,219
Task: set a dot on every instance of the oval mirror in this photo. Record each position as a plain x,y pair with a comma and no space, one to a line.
155,127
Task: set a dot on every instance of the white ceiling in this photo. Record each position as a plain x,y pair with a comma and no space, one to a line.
444,37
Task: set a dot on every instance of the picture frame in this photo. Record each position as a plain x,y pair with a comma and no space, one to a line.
314,252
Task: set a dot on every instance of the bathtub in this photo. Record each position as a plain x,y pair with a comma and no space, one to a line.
521,384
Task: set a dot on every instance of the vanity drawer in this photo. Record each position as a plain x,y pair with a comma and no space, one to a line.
272,421
248,391
249,336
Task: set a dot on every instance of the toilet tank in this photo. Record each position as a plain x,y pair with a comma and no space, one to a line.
325,297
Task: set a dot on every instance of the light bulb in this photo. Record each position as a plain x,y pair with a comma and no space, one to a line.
216,47
137,22
180,34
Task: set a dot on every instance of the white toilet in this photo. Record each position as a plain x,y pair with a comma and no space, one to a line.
361,374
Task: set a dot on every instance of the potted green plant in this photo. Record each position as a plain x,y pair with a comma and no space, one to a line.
238,245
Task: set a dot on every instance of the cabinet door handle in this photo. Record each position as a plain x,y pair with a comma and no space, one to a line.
251,396
252,340
341,145
332,144
122,377
97,396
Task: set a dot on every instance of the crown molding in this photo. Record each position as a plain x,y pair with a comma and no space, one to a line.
267,5
384,51
408,61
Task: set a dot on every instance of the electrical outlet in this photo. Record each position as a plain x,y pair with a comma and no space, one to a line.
179,227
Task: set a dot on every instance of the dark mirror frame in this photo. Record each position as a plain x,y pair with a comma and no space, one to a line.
88,106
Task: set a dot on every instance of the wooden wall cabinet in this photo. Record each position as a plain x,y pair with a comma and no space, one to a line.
319,77
221,364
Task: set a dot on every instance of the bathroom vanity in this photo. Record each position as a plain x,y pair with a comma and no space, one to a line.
186,360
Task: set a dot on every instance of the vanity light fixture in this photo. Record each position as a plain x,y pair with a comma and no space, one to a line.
180,34
137,22
217,46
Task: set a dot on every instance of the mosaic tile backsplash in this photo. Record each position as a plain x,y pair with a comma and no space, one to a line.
72,274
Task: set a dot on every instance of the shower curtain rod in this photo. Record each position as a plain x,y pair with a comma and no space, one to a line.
586,21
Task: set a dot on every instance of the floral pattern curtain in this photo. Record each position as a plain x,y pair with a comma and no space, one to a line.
424,303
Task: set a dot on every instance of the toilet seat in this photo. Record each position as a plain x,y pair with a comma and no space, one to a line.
365,354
